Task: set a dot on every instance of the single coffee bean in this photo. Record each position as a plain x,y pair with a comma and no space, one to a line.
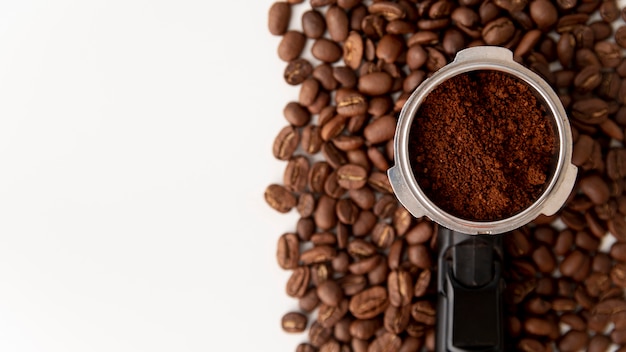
318,254
385,207
599,343
380,130
294,322
608,53
337,23
278,18
572,263
588,79
297,71
369,303
326,50
375,83
436,59
351,176
422,283
350,102
345,76
296,173
296,114
309,301
364,265
318,334
591,110
573,340
565,49
291,45
313,24
544,14
528,41
609,11
298,282
364,329
329,315
347,211
285,143
288,251
594,187
383,235
389,10
280,198
389,48
396,319
400,287
498,31
424,312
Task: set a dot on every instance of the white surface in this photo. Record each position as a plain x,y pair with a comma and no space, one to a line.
135,146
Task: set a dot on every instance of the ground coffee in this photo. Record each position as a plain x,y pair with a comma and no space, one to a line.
481,146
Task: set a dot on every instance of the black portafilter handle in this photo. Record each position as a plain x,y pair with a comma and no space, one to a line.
470,286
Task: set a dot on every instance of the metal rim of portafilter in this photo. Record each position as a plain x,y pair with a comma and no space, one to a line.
561,182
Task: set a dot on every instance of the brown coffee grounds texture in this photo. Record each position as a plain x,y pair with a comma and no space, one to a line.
482,145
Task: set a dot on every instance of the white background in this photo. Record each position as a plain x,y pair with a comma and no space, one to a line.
135,147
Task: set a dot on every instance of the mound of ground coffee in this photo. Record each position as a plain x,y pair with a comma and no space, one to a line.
481,146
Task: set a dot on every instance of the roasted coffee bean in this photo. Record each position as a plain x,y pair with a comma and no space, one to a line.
588,79
590,111
309,301
291,45
369,303
280,198
396,319
609,11
498,31
313,24
318,254
278,18
318,334
424,312
326,50
389,48
337,23
544,14
380,130
286,143
400,285
573,340
296,114
375,83
422,283
608,53
329,315
294,322
288,251
364,265
383,235
298,282
350,102
297,71
594,187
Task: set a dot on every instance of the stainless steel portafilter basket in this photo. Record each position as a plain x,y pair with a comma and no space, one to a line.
470,255
560,185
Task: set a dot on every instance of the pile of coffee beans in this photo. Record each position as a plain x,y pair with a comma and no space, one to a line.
361,267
